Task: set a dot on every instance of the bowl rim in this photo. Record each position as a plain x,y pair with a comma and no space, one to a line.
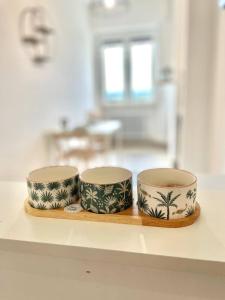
128,177
166,187
48,167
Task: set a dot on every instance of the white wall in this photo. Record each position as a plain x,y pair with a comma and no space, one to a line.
217,150
155,17
197,122
136,14
34,98
143,16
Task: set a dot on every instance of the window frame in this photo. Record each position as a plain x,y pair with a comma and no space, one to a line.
126,39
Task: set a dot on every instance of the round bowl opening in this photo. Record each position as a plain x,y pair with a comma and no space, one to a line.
53,173
167,178
105,175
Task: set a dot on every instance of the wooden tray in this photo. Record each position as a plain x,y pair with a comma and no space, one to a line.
130,216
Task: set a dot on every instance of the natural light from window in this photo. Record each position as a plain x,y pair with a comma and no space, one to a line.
141,70
127,71
114,72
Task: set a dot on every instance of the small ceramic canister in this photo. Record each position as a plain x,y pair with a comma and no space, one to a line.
106,190
53,187
167,193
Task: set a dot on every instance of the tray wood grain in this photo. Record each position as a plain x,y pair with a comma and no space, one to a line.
130,216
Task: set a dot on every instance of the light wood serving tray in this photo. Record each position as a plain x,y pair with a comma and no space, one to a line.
130,216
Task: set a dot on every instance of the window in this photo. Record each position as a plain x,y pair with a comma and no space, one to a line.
114,77
127,71
141,70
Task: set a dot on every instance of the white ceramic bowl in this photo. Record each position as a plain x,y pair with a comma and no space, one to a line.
167,193
106,190
53,187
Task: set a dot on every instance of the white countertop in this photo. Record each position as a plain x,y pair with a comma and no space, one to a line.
203,241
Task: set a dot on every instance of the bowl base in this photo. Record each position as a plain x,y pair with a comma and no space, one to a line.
129,216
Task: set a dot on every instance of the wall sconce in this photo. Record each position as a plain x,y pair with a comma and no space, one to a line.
35,33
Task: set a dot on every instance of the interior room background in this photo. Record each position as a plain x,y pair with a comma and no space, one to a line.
183,121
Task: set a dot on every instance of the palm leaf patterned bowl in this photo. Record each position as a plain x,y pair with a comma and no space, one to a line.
53,187
167,193
106,190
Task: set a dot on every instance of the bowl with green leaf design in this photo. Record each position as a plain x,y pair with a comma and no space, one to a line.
106,190
53,187
167,193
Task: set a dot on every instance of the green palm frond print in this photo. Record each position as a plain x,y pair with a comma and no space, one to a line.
189,211
62,195
47,197
55,206
85,204
99,187
142,202
29,184
68,182
108,190
124,188
31,204
94,209
106,198
167,201
68,202
191,195
156,213
144,193
34,196
53,186
91,194
39,186
41,206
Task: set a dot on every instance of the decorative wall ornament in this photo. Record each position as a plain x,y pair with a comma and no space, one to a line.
35,33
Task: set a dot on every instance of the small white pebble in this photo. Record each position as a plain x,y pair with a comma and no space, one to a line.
73,208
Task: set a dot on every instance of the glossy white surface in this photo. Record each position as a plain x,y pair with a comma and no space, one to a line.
204,240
